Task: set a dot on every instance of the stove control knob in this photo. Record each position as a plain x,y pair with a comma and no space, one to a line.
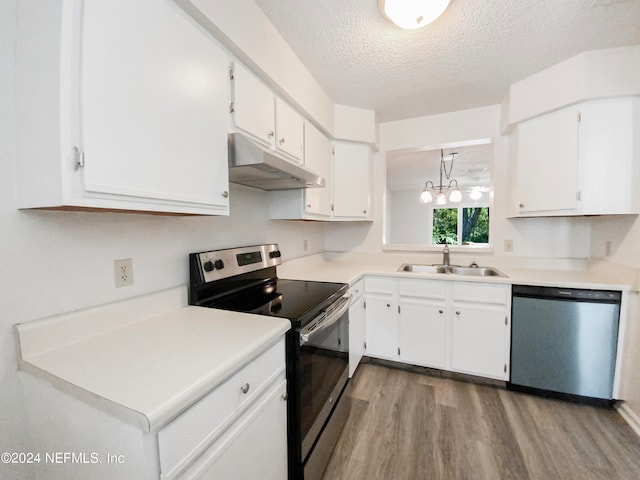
208,266
219,264
275,254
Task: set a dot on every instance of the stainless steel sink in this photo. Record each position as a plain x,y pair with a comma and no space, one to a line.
474,271
414,267
477,271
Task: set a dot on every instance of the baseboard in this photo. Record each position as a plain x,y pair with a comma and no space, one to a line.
630,417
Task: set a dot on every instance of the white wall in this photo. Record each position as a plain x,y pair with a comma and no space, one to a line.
406,219
54,262
532,237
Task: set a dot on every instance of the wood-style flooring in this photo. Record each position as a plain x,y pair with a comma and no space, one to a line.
410,425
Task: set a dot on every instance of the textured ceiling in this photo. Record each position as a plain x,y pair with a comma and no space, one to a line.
467,58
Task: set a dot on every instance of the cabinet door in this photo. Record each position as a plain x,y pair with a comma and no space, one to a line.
317,158
478,340
381,327
152,105
423,332
253,106
547,162
356,333
261,431
289,131
351,180
607,180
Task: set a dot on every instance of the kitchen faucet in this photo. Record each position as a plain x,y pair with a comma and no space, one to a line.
445,255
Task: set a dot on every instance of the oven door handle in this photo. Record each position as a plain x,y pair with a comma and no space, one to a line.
326,318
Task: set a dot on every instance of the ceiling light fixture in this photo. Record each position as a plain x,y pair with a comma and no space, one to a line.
442,194
412,14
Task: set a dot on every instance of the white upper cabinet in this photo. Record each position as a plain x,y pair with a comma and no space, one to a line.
547,162
290,131
268,120
142,115
580,160
253,106
351,181
317,158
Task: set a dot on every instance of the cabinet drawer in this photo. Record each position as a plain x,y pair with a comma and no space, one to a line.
357,289
379,285
484,293
422,288
190,434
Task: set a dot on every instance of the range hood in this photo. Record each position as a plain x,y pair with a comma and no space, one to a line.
256,166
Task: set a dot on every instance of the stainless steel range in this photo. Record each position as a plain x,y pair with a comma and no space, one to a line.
317,347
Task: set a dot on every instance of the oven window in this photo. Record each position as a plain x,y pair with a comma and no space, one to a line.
323,360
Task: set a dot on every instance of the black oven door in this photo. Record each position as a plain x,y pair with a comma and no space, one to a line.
324,367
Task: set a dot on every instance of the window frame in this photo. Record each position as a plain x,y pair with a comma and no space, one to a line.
459,207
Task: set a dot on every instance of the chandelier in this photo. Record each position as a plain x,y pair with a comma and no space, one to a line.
451,193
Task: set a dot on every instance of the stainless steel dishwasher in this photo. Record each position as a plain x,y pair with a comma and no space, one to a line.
564,342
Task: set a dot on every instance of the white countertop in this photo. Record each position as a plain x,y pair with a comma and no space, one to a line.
318,267
145,369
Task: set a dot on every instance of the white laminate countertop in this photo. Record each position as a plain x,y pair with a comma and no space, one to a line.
350,271
145,359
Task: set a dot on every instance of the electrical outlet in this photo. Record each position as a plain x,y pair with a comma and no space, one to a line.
508,245
123,272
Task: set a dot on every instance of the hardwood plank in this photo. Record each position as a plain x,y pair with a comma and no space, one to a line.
408,424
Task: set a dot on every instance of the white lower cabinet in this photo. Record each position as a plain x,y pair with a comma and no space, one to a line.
449,325
261,431
382,327
478,340
246,413
423,332
357,327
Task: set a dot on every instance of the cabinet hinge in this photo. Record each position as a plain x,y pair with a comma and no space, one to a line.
365,345
506,320
578,195
579,117
78,158
505,368
398,308
339,341
231,77
332,207
398,351
333,150
231,107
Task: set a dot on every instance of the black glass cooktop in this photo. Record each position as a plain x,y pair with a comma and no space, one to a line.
297,300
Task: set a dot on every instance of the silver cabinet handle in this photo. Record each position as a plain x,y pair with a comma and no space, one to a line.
225,194
245,388
441,311
281,140
457,312
270,134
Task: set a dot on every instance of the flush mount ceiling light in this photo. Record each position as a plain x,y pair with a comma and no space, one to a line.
411,14
442,194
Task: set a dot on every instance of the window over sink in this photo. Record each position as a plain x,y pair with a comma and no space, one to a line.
412,225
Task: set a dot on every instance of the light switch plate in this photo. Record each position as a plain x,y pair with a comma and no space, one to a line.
508,245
